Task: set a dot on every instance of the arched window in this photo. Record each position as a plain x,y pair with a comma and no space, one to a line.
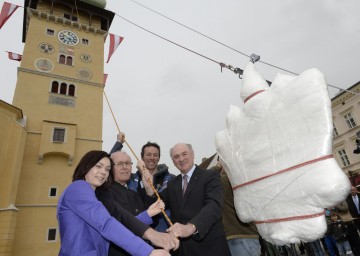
71,90
63,88
55,87
62,59
69,60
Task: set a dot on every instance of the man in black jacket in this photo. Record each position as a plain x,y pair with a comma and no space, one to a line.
353,201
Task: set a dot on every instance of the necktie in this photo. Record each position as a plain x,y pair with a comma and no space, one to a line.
185,184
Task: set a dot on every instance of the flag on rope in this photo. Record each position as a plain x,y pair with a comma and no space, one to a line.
114,43
105,78
14,56
6,11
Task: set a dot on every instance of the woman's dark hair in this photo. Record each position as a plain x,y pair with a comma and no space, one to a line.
149,144
88,161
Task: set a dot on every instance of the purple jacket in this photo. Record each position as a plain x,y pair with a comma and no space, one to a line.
86,227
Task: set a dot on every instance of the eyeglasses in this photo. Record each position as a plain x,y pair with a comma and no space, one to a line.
123,164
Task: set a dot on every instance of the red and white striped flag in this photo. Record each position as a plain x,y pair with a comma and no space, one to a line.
6,11
105,78
114,43
14,56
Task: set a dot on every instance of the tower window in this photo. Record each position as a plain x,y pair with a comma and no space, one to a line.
55,87
69,60
59,135
71,90
51,234
53,192
63,88
65,59
85,41
50,32
62,59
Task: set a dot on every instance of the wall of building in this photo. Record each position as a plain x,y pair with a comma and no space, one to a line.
12,141
346,119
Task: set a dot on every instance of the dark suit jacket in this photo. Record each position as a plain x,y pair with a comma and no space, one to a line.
201,206
121,202
352,207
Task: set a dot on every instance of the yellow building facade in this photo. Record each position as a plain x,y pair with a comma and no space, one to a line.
55,118
12,138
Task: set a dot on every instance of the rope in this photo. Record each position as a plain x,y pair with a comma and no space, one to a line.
235,70
132,151
301,217
284,170
252,95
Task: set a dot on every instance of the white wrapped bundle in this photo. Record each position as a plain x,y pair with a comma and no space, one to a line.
276,149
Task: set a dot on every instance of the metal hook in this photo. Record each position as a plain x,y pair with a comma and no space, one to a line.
254,58
238,71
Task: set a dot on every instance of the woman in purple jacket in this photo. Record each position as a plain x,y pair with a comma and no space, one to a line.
86,227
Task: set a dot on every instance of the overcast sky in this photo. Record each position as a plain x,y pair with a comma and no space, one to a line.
163,93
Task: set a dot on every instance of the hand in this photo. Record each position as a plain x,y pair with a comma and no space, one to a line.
141,165
180,230
147,178
159,252
163,240
155,208
121,137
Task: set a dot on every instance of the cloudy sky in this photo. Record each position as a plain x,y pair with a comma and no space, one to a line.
166,94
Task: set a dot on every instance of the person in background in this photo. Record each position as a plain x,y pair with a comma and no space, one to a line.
150,155
342,210
242,238
316,248
195,199
353,201
331,248
339,231
85,225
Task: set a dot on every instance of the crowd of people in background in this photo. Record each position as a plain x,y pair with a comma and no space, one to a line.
109,210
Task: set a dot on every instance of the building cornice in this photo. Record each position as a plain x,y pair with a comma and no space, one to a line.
344,96
59,77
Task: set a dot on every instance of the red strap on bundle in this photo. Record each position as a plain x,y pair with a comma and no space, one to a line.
301,217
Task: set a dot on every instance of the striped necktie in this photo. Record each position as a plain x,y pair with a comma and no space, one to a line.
185,184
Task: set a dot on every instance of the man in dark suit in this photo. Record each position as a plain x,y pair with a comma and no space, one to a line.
353,201
195,205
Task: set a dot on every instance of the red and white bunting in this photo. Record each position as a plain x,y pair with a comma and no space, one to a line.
105,78
6,11
114,43
14,56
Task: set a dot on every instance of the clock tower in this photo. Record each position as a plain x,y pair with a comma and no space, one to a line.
60,93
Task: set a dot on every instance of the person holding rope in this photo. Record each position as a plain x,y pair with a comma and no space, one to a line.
86,227
195,199
120,193
150,155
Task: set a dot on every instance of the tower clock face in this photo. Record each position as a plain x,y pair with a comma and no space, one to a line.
46,48
67,37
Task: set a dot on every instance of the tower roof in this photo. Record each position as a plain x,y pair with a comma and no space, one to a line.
98,3
91,7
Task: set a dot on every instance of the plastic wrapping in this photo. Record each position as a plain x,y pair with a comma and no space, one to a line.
277,151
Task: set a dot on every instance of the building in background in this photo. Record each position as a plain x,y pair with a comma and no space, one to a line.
346,120
55,118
